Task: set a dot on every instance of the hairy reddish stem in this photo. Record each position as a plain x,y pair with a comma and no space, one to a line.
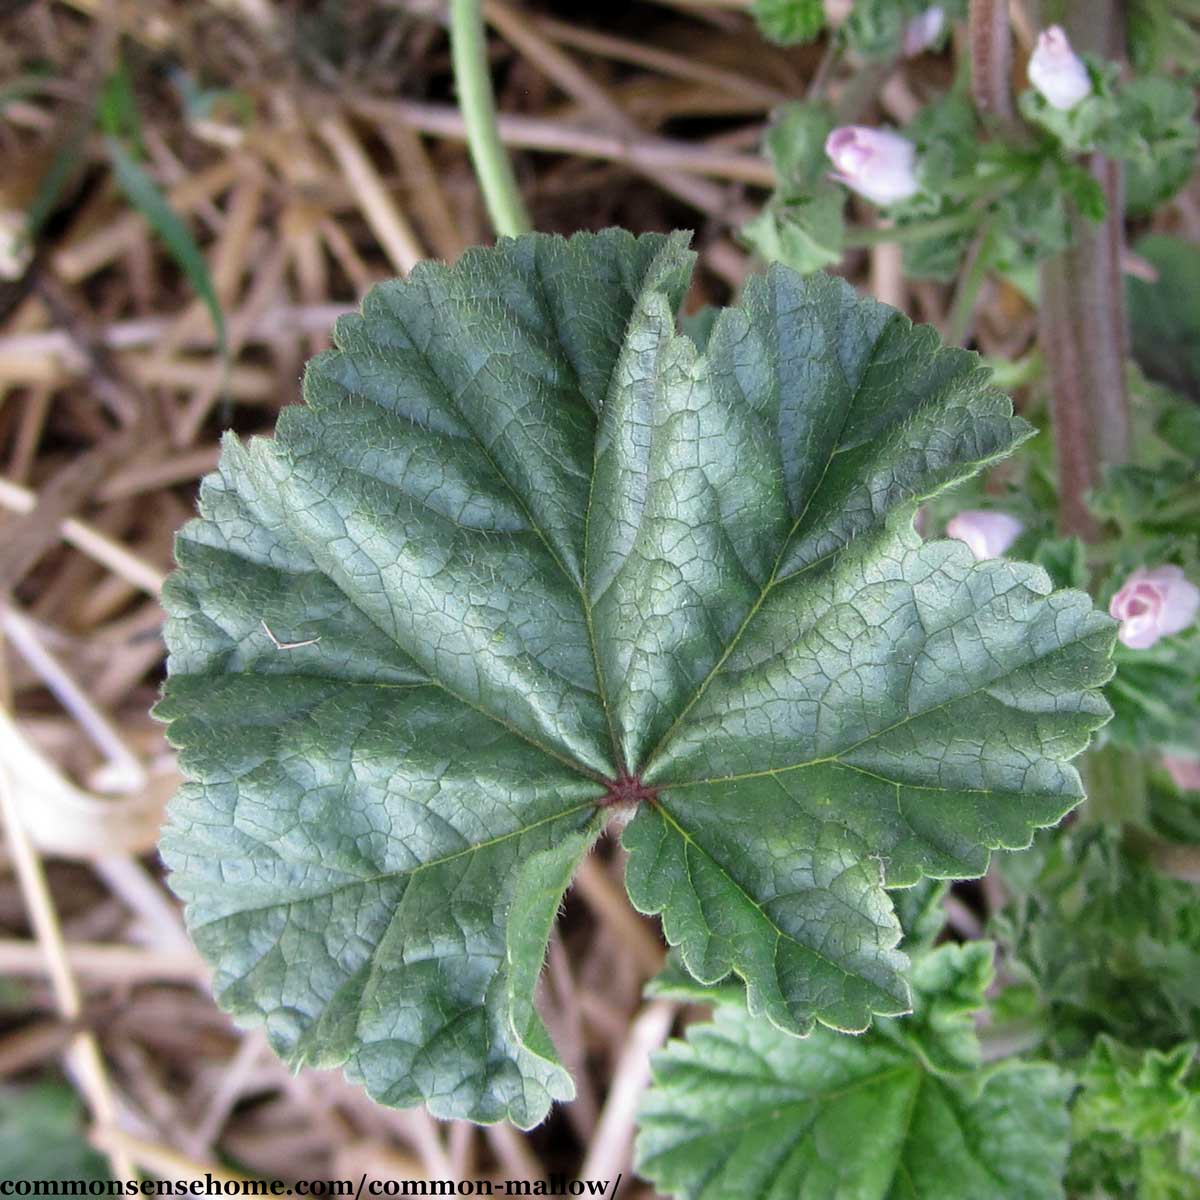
991,58
627,789
1082,320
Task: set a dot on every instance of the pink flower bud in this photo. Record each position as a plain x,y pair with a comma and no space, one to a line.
1057,71
988,534
874,162
1152,604
1184,771
923,30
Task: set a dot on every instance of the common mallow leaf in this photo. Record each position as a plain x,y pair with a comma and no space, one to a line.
741,1111
525,558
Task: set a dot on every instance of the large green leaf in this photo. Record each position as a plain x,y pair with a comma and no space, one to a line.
742,1111
525,556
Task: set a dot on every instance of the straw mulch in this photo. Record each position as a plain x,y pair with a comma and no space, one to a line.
324,154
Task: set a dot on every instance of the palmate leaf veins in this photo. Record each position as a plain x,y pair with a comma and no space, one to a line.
549,560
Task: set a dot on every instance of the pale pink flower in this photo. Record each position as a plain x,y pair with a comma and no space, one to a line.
1153,603
988,534
1184,771
923,30
1057,72
876,163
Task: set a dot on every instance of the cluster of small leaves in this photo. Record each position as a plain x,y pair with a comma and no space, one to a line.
973,177
873,29
1023,193
1150,513
739,1110
1136,1122
1111,950
1111,944
788,22
528,553
1149,123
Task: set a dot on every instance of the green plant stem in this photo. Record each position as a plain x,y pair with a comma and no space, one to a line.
962,310
472,79
917,231
861,89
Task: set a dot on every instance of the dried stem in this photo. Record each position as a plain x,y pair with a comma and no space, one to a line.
609,1153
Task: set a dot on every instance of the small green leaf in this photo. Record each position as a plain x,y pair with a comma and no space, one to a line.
741,1112
875,28
117,110
921,913
528,554
803,225
1165,314
1140,1094
674,982
804,233
789,21
1136,1120
1064,559
43,1137
1156,133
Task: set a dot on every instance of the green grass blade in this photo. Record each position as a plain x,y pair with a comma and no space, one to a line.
142,192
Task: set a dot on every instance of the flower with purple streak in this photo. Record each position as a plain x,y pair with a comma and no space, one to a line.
1154,603
876,163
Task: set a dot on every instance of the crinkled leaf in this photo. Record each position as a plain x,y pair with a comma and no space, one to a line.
526,552
919,910
875,28
1033,222
741,1111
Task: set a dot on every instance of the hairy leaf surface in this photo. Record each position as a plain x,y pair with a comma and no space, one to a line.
526,556
742,1111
